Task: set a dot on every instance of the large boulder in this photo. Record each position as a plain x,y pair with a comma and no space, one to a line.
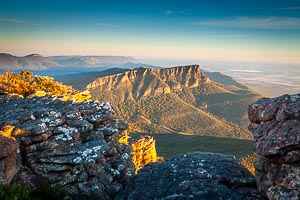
276,130
10,157
196,175
64,143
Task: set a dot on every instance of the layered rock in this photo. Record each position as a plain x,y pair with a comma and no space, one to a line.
144,151
196,175
71,145
276,130
141,83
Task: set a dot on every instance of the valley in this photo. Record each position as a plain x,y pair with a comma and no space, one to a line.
170,144
180,100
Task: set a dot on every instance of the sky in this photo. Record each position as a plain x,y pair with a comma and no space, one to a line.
248,30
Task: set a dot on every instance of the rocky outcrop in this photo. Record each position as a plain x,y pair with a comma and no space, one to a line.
10,157
142,82
44,140
276,130
144,151
196,175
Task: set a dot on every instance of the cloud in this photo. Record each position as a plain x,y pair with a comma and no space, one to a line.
169,12
228,36
290,8
276,23
17,21
108,25
12,20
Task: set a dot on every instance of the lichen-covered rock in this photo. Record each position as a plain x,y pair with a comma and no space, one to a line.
196,175
276,130
64,143
144,150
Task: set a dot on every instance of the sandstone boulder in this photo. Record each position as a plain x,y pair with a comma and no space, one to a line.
276,130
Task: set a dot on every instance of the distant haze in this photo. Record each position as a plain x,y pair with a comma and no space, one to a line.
259,31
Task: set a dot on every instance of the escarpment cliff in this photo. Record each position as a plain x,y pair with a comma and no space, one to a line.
276,130
144,82
46,141
176,100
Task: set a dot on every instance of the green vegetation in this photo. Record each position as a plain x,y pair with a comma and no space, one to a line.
169,144
18,192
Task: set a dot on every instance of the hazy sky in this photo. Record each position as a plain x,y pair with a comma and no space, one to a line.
253,30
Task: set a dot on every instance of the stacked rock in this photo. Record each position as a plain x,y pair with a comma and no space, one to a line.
46,141
276,130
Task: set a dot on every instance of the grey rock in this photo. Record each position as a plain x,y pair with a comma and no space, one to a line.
60,144
276,127
196,175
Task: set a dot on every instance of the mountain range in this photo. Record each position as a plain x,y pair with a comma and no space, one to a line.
172,100
62,64
182,99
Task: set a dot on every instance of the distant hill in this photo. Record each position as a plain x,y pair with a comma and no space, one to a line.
65,64
173,100
32,62
90,61
224,79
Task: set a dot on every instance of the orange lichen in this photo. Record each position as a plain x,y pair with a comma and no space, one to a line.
143,148
248,162
124,139
18,131
78,97
7,131
144,151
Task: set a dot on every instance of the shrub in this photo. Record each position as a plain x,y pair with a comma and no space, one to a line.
26,83
18,192
49,193
14,192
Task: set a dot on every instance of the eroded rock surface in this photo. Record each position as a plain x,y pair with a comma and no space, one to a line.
144,150
276,130
72,145
196,175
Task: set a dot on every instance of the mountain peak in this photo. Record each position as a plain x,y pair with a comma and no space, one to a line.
190,69
33,55
5,54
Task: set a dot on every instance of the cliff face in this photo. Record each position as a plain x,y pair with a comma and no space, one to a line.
76,146
144,82
276,130
175,100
